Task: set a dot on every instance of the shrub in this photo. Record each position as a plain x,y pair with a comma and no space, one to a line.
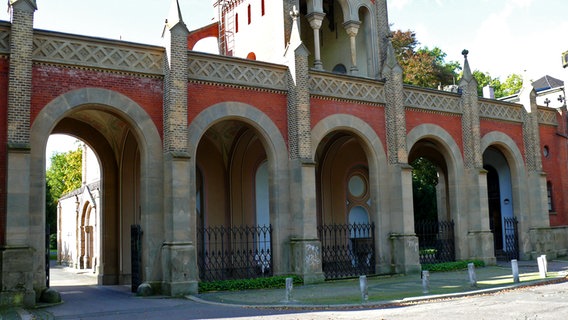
247,284
451,266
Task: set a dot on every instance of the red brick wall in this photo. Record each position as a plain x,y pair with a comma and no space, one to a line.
273,104
51,81
372,114
3,142
556,172
513,130
450,123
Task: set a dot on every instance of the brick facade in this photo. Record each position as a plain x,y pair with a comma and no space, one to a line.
3,140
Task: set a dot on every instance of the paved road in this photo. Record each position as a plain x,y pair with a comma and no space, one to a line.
87,301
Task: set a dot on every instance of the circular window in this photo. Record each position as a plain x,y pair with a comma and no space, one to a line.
357,186
546,152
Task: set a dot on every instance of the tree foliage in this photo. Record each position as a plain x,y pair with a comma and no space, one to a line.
511,85
64,174
423,67
424,181
427,67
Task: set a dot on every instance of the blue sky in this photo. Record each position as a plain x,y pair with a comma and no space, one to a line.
502,36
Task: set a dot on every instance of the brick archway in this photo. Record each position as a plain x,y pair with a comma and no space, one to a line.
138,122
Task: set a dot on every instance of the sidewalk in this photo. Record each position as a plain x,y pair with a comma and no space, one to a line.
383,291
391,290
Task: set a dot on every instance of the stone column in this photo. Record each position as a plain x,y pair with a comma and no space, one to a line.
383,32
179,259
404,243
352,28
480,238
306,247
315,19
21,251
538,239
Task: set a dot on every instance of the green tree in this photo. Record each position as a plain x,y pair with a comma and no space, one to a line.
63,176
424,181
511,85
422,66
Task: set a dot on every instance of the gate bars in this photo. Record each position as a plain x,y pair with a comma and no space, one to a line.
242,252
348,250
435,241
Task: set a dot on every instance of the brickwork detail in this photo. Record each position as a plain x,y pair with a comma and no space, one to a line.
329,85
501,111
547,116
531,138
246,73
175,104
395,111
20,75
383,31
471,126
439,101
102,54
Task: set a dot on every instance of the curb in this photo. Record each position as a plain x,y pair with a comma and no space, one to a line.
388,303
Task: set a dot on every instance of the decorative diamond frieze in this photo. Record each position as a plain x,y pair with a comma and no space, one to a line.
5,41
89,52
501,111
441,101
547,116
353,89
236,71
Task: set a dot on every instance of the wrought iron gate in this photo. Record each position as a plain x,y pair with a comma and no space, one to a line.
234,252
511,238
435,241
348,250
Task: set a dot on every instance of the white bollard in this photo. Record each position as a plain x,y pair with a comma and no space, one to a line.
545,261
515,267
363,286
541,267
425,281
472,276
289,287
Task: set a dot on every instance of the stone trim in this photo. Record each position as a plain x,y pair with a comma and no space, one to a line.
234,71
350,88
67,49
422,98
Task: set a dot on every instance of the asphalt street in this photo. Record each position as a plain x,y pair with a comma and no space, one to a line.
84,300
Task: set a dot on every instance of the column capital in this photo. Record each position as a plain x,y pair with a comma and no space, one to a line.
352,27
315,19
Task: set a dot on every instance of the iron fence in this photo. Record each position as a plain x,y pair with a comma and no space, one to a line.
243,252
348,250
435,241
511,238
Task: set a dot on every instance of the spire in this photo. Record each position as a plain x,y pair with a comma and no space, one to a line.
467,75
295,39
174,17
391,61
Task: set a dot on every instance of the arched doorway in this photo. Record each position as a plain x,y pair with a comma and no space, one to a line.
233,203
127,145
345,227
502,221
433,222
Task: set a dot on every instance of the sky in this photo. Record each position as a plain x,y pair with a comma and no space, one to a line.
503,36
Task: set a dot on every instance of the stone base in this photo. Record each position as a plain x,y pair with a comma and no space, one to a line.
405,255
180,269
17,277
481,246
542,242
306,260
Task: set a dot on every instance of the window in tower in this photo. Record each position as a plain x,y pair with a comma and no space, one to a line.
262,7
249,14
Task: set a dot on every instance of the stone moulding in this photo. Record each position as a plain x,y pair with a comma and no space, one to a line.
332,85
235,71
66,49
